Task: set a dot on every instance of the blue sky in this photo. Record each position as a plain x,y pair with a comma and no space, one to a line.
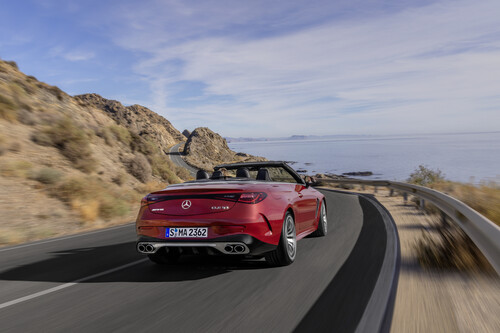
272,68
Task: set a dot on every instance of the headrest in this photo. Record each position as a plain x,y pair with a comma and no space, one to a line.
263,174
201,174
217,175
243,172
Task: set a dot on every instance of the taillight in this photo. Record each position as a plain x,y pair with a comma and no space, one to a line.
252,197
144,202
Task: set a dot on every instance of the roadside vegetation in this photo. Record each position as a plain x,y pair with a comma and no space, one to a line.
73,154
448,246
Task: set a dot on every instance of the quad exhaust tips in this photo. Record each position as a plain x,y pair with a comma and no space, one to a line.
226,248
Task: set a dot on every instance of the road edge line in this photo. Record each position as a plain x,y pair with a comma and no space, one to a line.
67,285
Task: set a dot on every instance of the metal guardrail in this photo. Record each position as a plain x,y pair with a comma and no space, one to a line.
484,233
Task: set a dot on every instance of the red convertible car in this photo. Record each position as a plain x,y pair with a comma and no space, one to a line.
256,209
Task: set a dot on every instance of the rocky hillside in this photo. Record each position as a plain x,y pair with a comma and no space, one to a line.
138,119
74,163
204,149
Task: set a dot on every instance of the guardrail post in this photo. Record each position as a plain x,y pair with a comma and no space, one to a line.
374,189
422,204
444,220
391,192
363,187
405,197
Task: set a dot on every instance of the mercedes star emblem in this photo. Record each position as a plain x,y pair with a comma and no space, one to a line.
186,204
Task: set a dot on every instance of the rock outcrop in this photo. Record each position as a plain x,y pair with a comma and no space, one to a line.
186,133
204,149
137,119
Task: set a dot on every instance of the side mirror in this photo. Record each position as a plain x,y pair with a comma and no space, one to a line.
310,181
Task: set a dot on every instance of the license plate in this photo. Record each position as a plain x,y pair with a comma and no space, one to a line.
186,232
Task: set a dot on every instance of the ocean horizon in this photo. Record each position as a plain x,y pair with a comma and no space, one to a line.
463,157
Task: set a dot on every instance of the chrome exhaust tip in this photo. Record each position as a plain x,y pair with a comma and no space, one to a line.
146,248
239,248
228,248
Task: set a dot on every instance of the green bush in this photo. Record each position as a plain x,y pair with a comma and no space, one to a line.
424,176
47,176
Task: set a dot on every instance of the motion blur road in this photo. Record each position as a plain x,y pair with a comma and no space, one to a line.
98,282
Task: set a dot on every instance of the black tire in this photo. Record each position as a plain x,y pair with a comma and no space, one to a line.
323,222
286,251
162,257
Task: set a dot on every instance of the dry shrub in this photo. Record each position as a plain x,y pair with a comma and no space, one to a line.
111,206
139,167
71,140
41,138
13,64
107,135
183,173
48,176
92,199
15,147
143,146
121,134
119,179
484,198
16,168
3,145
8,109
164,168
151,186
11,236
453,249
87,209
57,92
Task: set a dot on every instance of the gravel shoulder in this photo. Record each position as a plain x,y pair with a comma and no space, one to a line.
431,300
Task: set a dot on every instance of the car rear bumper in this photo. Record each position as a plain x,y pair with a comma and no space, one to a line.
230,245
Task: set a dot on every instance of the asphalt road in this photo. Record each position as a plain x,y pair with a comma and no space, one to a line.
97,282
175,156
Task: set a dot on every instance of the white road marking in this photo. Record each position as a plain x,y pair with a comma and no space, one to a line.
67,285
66,237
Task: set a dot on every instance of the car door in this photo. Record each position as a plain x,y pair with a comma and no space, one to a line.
305,208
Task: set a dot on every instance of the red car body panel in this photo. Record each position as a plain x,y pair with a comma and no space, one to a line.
215,204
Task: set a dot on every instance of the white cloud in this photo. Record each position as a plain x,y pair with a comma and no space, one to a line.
433,68
72,55
78,55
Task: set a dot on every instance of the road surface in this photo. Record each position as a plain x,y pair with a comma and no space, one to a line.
97,282
175,156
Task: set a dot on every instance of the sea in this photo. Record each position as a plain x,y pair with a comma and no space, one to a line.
470,158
